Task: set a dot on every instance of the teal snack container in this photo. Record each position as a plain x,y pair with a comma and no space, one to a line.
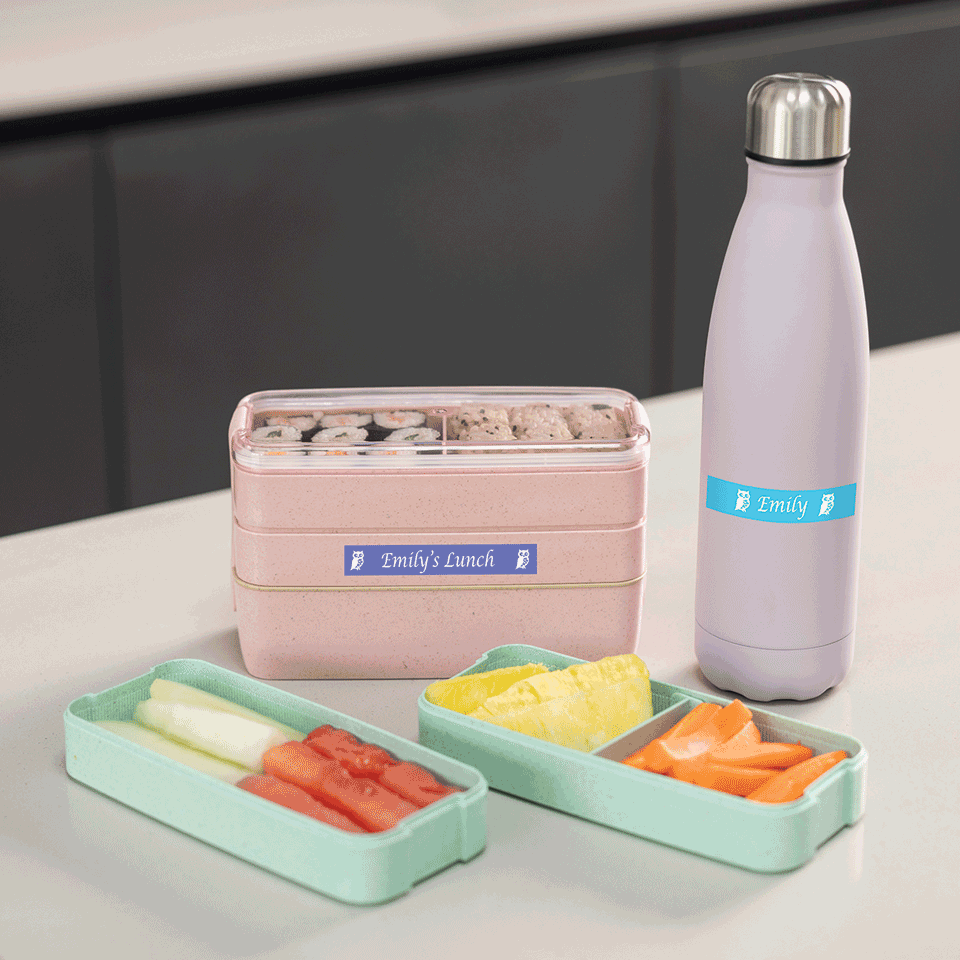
356,868
767,838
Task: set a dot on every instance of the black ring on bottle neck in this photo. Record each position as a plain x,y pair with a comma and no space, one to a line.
776,161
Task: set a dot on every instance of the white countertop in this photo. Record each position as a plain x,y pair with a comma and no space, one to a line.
63,55
90,604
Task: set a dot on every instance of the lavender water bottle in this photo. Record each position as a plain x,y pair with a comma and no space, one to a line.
784,410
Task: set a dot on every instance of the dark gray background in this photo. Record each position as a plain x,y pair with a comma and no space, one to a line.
555,221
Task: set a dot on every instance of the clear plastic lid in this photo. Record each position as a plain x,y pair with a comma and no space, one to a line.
439,427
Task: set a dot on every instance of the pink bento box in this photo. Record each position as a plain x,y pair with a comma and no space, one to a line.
400,533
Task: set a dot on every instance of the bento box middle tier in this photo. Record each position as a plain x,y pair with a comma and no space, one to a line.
392,533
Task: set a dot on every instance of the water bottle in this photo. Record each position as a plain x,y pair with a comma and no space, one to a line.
784,410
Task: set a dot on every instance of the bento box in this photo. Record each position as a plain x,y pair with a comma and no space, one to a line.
398,533
767,838
353,867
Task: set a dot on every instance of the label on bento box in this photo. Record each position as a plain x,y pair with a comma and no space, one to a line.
439,559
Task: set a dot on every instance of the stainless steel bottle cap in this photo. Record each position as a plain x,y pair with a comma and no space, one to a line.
798,118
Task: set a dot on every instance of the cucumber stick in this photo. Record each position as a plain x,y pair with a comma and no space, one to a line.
225,735
151,740
169,691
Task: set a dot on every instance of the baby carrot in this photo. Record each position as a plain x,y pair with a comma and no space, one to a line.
747,736
728,722
731,719
688,724
762,755
722,776
694,720
789,784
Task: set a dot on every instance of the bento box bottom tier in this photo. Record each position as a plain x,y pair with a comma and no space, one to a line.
764,837
362,868
396,633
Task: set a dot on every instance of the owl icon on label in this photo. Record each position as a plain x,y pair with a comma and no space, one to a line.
743,500
523,558
357,560
826,504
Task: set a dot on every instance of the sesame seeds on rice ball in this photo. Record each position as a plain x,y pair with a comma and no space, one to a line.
595,422
470,417
539,422
486,432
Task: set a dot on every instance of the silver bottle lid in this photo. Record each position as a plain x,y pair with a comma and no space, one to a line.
798,118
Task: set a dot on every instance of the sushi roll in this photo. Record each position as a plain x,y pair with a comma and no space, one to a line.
340,435
328,420
303,424
413,435
539,422
386,421
399,418
327,437
276,433
598,421
409,435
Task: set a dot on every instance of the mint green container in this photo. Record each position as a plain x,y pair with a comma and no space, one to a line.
356,868
768,838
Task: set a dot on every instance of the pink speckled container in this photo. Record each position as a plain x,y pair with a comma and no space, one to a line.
500,515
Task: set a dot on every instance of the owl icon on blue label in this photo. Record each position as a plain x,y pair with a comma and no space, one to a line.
440,559
772,505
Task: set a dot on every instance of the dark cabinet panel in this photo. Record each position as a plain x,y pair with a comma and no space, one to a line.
493,229
902,186
53,462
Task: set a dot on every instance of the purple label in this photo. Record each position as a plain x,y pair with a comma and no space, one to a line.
439,559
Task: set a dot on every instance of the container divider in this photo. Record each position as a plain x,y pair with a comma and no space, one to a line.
638,737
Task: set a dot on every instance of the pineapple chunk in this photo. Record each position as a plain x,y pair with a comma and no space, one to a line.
465,694
580,678
585,721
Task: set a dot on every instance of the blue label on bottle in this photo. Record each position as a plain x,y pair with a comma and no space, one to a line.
781,506
439,559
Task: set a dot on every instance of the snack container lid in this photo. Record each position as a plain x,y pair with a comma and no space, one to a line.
767,838
437,428
355,868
